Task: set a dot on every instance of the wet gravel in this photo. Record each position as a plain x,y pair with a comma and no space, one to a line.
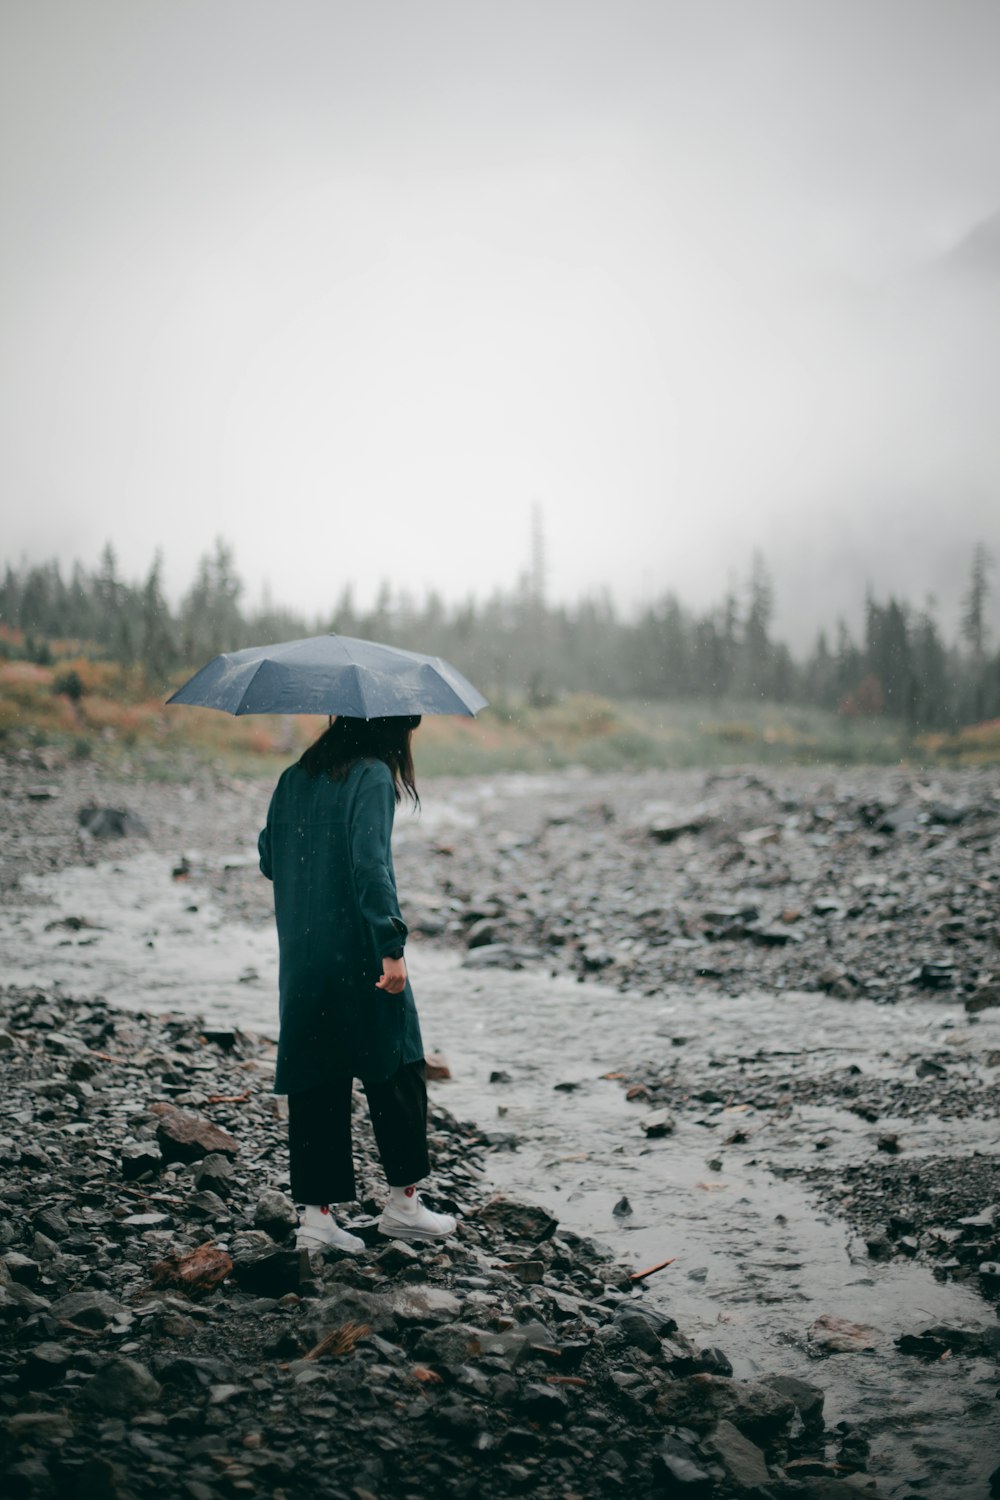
515,1357
861,886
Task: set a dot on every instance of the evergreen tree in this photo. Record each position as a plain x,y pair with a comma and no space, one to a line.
210,614
932,702
157,649
975,630
757,663
975,633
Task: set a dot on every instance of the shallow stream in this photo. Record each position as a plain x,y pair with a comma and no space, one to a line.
755,1261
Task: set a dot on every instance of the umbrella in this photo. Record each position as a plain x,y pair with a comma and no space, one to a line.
330,674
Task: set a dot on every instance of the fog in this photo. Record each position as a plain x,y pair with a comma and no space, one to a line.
357,287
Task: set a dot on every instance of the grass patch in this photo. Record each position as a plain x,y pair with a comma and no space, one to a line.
97,711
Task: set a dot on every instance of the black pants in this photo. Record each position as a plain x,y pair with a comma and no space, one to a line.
321,1159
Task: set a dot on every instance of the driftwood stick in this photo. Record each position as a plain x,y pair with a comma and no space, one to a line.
651,1270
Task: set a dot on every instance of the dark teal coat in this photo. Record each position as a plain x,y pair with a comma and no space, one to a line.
327,848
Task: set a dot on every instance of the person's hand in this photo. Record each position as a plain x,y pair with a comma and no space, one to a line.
393,978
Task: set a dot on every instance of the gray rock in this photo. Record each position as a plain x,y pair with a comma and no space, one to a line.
214,1173
700,1401
46,1363
450,1343
90,1309
637,1331
757,1409
347,1304
658,1124
397,1256
500,956
209,1206
138,1158
40,1427
185,1137
515,1344
50,1222
807,1397
267,1271
984,1220
194,1372
222,1395
146,1221
594,958
120,1387
774,937
460,1422
21,1268
713,1362
542,1403
18,1301
742,1460
518,1221
676,1466
66,1046
531,1272
275,1213
110,823
665,824
989,1275
481,933
425,1304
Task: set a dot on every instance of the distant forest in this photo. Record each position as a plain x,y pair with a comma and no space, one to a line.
518,647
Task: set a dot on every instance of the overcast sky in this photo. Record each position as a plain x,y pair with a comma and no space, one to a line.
356,285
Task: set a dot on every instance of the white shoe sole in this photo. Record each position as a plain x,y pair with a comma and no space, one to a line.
397,1230
306,1241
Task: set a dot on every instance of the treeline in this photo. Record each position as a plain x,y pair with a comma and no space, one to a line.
516,645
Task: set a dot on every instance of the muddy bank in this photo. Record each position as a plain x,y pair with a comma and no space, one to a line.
162,1336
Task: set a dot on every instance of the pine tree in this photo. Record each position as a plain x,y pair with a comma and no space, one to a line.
975,630
756,639
157,649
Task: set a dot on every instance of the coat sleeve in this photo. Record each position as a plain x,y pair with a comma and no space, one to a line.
371,836
264,845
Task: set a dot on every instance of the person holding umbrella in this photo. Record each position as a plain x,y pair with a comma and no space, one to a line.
346,1009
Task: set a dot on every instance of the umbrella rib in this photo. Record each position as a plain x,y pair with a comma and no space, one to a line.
240,707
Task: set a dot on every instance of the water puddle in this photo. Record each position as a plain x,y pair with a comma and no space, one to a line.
756,1261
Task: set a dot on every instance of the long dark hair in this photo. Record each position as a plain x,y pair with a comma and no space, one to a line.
349,740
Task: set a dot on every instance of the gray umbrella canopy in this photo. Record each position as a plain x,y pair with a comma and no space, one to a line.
330,674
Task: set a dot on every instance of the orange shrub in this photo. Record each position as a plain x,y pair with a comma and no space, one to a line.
13,673
95,676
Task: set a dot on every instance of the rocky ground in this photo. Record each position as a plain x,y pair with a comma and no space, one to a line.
875,884
866,882
162,1336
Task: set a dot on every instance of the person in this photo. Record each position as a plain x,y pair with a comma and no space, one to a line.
346,1008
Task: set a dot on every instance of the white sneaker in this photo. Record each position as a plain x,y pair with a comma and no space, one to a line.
318,1230
409,1219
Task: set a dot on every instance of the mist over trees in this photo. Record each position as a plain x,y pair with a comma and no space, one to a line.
517,646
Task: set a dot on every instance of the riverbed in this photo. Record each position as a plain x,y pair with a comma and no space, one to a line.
756,1257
